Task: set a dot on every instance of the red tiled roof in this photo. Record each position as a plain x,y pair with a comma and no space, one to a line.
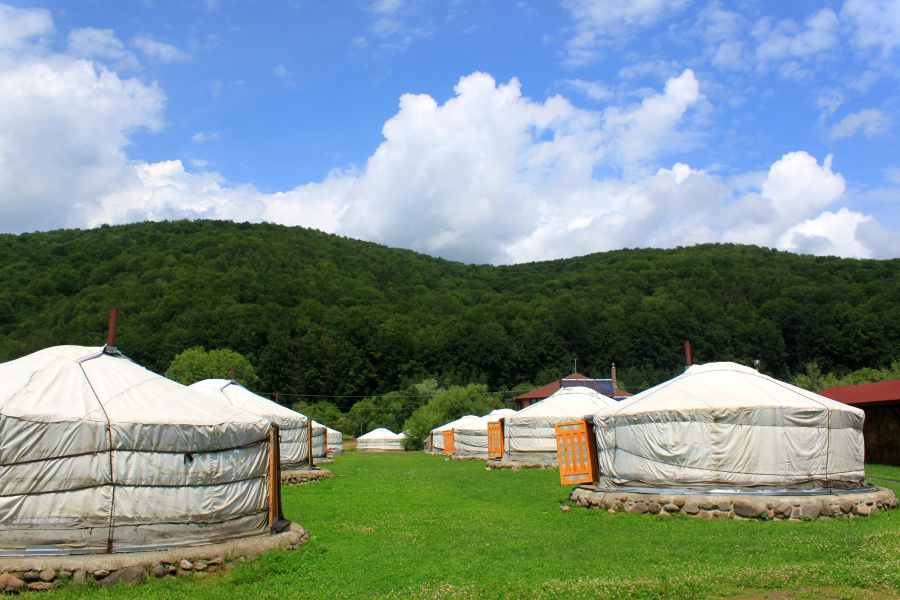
551,388
865,393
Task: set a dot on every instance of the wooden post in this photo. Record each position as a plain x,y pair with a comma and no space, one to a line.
310,435
274,478
278,463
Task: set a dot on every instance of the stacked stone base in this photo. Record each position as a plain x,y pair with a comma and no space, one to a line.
455,457
301,476
21,574
515,465
740,506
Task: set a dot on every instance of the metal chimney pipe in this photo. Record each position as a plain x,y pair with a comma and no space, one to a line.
113,323
613,371
232,372
276,397
687,352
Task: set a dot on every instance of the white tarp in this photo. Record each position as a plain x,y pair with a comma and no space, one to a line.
726,426
380,440
437,434
530,434
99,454
335,441
470,438
293,427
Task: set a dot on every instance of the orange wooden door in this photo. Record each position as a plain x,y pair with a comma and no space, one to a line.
449,444
495,440
577,451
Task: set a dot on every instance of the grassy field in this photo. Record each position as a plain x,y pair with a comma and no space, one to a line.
416,526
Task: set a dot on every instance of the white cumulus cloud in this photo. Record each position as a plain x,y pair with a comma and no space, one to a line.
488,176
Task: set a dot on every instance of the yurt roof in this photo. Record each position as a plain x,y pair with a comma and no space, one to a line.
453,424
725,386
75,383
481,423
575,402
236,394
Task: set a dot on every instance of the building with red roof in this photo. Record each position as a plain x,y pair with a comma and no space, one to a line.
607,387
881,403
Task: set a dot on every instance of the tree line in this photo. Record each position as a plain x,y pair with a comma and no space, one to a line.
327,319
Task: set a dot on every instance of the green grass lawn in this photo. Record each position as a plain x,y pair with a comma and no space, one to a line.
416,526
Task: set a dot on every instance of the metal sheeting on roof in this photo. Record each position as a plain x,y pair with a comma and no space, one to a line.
865,393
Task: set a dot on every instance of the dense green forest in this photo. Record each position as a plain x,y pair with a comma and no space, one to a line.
320,315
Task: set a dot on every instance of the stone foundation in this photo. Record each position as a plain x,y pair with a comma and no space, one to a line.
323,461
454,457
300,477
46,572
515,465
738,506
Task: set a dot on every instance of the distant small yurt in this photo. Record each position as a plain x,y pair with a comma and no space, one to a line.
723,426
471,437
380,440
335,441
293,427
437,434
530,434
101,455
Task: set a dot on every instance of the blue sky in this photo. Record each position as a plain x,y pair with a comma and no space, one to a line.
478,131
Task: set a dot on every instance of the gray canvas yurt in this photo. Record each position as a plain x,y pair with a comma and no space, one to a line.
380,440
470,437
319,441
530,435
437,434
293,427
335,441
102,455
723,426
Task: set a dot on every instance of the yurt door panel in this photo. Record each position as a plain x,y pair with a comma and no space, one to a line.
449,445
577,452
495,440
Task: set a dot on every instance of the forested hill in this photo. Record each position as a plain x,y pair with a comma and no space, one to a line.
321,314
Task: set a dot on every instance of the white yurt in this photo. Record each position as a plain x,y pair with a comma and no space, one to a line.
335,441
437,434
530,434
723,426
380,440
102,455
319,440
471,437
293,427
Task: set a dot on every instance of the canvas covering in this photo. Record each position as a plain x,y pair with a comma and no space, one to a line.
471,437
437,434
320,440
726,426
335,441
99,454
530,434
293,427
380,440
